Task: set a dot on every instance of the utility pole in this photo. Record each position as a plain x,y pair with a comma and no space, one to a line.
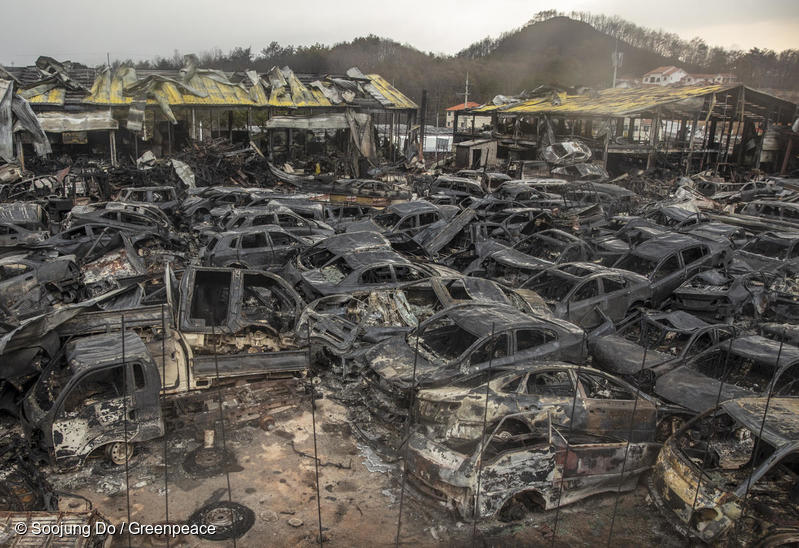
465,100
108,58
616,60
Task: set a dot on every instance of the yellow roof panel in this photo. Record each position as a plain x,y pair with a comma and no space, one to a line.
608,102
53,97
400,100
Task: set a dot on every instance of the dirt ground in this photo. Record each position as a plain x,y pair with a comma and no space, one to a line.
273,474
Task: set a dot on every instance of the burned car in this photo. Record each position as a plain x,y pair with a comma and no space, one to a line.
405,219
251,217
770,252
121,216
458,341
566,153
732,474
524,468
340,216
30,285
603,404
654,341
670,259
588,294
163,197
367,269
719,294
14,236
739,367
260,247
341,322
456,188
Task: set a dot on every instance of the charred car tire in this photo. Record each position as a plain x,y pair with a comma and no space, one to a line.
119,452
230,519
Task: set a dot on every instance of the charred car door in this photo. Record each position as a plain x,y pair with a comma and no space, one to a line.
668,275
585,304
283,246
19,287
255,250
91,413
612,409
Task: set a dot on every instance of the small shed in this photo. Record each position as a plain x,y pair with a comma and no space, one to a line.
476,154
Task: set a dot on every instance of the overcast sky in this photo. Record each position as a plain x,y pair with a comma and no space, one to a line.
84,30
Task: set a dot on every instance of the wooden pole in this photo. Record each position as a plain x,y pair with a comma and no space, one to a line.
653,140
607,144
230,125
787,158
112,146
691,143
20,151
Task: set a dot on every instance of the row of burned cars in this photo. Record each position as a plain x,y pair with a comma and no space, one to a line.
522,344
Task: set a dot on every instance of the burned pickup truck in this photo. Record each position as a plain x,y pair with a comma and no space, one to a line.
732,474
232,325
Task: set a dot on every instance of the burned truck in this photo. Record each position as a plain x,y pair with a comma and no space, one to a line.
733,474
229,326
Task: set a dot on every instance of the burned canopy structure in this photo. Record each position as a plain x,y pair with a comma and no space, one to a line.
693,127
326,121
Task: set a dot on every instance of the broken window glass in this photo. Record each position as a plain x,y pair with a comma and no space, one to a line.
138,376
692,254
611,285
254,241
668,267
407,274
639,265
588,290
600,387
377,275
527,339
490,350
210,297
550,383
12,270
444,338
282,239
97,386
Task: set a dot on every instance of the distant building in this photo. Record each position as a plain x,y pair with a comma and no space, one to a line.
663,76
465,120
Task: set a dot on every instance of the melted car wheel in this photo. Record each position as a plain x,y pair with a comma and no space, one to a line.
230,520
119,452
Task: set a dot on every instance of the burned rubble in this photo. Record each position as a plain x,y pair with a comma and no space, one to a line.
518,343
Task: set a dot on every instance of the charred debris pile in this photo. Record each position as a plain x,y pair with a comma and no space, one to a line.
533,340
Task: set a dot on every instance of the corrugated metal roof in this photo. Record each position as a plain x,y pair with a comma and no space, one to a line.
108,91
608,102
54,97
391,93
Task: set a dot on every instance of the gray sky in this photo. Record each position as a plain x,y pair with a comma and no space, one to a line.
84,30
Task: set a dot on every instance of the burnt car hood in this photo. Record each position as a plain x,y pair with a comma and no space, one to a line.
689,388
618,355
